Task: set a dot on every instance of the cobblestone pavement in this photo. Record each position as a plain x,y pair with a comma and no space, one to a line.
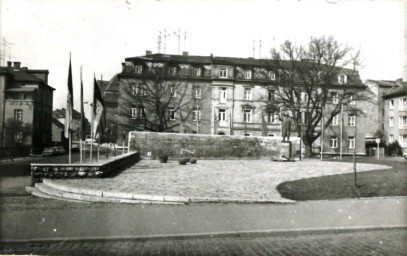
385,242
248,179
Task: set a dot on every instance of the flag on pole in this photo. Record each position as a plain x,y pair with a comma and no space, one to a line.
69,102
82,121
98,110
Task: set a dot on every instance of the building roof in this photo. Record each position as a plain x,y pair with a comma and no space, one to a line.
384,83
58,123
396,92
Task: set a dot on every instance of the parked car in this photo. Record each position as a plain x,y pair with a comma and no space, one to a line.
53,151
50,151
405,155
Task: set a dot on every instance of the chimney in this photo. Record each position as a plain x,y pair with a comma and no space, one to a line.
17,64
185,53
149,52
9,64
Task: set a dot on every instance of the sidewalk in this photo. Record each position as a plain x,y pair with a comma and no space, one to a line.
55,220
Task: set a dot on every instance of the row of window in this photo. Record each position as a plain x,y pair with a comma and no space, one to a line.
351,120
139,90
402,139
402,122
350,142
402,104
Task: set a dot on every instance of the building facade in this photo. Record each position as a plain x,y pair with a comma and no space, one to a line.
395,116
227,96
25,109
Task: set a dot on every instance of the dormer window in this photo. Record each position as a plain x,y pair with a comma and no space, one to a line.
172,70
272,76
223,72
248,74
197,71
138,69
342,79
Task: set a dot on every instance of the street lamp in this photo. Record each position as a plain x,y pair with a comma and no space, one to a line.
378,153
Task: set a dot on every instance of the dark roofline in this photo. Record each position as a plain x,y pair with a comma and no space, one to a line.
396,92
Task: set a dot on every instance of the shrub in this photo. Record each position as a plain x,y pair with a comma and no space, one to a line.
394,149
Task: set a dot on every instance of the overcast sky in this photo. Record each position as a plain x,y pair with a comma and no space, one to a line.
100,34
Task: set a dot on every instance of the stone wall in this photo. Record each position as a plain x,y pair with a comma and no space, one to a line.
94,170
210,146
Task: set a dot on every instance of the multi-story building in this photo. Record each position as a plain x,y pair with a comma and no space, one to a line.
395,116
25,109
228,97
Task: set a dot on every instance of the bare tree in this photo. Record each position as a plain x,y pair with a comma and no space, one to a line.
156,102
314,82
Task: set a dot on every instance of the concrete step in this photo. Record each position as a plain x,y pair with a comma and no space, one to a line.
35,192
60,194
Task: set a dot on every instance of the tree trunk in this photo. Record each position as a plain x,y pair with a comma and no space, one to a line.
308,150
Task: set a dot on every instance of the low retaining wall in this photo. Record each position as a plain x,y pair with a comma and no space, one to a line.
211,146
94,170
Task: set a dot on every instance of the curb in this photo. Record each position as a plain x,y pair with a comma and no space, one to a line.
241,233
84,192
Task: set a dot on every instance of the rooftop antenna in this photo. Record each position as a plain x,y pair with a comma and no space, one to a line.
165,40
260,49
8,45
179,40
159,42
254,47
185,41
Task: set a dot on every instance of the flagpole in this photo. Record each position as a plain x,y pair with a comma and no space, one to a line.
340,149
91,123
322,133
81,125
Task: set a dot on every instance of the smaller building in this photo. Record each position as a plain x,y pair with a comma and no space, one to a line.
59,115
395,116
25,109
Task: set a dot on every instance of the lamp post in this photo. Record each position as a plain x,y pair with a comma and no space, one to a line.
378,143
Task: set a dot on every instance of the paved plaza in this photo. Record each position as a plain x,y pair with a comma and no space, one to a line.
228,180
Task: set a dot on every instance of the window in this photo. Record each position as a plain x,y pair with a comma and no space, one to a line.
352,99
223,95
403,140
172,114
173,92
351,120
247,115
334,141
18,137
402,122
248,93
222,114
272,76
335,98
196,115
197,92
271,95
351,142
223,72
197,71
138,90
137,112
138,69
391,121
18,115
270,117
303,117
303,97
172,70
403,104
342,79
391,104
391,138
247,134
335,120
248,74
271,134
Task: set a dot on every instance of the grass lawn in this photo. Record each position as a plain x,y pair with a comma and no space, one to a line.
391,182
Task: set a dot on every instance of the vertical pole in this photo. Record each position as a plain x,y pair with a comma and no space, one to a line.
91,130
378,153
340,147
354,162
123,147
70,146
322,133
98,148
197,119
